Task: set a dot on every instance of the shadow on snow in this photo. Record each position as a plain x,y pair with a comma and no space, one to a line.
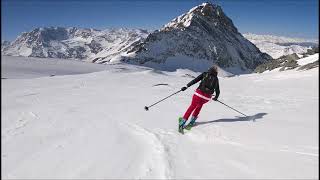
247,118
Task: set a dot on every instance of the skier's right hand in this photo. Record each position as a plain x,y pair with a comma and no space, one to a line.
183,88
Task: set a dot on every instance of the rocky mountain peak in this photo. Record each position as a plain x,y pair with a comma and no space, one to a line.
200,16
207,9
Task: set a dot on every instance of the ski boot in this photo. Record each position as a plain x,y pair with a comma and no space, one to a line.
191,123
181,125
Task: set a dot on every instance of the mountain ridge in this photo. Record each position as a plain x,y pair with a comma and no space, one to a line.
277,46
70,42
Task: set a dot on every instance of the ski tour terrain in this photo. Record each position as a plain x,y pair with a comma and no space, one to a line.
72,119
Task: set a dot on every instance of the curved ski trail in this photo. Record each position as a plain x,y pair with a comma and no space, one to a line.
158,165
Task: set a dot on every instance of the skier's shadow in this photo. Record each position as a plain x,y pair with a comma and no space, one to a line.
247,118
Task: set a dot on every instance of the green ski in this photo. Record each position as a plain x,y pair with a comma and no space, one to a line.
181,125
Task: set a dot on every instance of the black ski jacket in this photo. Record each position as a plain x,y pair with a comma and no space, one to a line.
202,85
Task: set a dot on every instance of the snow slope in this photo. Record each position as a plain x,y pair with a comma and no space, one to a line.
21,67
94,126
309,59
277,46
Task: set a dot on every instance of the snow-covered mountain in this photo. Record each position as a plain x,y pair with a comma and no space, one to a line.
4,44
277,46
204,34
76,43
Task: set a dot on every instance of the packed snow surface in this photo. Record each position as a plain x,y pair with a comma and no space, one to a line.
94,125
21,67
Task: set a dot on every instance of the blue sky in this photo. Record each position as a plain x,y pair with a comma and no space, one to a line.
292,18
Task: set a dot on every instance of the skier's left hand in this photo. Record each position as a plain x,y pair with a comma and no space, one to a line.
215,98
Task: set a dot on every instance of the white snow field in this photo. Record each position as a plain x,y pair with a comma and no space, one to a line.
309,59
94,125
22,67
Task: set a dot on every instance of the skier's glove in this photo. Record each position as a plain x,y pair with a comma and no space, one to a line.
215,98
183,88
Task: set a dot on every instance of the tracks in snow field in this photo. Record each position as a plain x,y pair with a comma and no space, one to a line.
158,164
166,157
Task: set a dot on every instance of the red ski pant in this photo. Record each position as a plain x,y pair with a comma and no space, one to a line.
196,104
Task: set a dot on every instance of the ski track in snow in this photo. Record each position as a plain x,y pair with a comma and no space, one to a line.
18,126
159,162
216,135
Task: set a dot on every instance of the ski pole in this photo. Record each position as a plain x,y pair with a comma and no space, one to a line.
147,107
231,108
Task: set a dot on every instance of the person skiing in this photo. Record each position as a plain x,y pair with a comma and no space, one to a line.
208,85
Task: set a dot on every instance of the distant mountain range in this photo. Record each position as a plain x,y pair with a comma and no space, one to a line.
197,39
277,46
76,43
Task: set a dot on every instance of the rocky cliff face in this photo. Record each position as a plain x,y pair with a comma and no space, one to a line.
205,33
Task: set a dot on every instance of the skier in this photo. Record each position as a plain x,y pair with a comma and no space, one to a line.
208,85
